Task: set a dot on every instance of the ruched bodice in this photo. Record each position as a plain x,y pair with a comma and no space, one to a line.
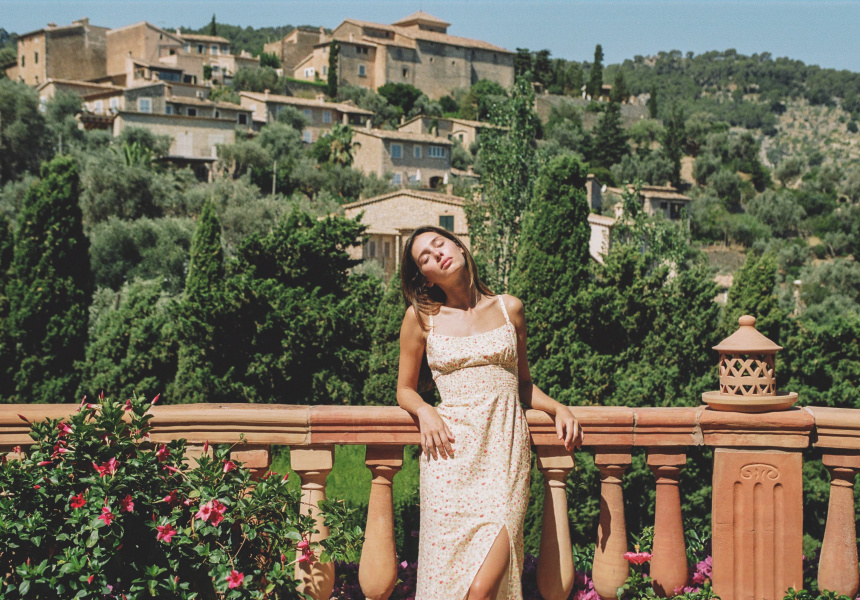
467,499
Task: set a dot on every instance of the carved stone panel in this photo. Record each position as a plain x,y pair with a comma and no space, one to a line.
758,523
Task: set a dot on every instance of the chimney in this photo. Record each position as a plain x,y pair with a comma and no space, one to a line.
51,25
267,93
449,189
84,21
367,124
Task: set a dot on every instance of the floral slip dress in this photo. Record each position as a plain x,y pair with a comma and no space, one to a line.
467,499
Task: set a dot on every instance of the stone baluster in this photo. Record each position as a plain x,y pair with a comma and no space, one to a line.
610,567
555,571
313,464
669,560
377,571
837,564
255,458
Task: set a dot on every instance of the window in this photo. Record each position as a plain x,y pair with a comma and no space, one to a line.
664,205
98,107
387,249
326,116
188,48
168,110
396,179
306,137
199,48
36,58
371,249
362,71
308,113
325,70
396,151
215,68
144,105
446,222
417,151
217,114
242,119
406,72
192,112
309,72
214,50
43,104
114,104
436,152
399,54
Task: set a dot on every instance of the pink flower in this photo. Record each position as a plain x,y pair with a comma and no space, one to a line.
127,405
637,558
36,487
127,504
189,501
165,532
162,453
106,516
90,578
217,514
171,498
16,449
109,468
205,446
169,468
78,501
154,400
699,578
286,476
302,545
43,463
404,564
23,418
235,579
229,465
63,429
204,512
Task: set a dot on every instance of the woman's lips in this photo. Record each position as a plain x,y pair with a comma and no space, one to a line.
447,262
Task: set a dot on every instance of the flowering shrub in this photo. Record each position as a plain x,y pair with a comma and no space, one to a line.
94,511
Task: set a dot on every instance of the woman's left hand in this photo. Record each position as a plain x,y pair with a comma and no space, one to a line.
567,427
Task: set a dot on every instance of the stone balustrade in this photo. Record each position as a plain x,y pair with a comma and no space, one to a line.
757,485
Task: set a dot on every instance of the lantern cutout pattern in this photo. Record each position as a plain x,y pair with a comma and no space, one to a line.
748,373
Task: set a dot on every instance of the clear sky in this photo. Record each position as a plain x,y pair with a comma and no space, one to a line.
821,32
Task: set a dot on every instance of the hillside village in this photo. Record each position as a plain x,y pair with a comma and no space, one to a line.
143,76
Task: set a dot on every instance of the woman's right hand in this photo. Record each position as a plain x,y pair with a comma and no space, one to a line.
436,438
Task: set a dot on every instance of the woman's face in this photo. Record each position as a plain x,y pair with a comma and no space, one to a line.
438,257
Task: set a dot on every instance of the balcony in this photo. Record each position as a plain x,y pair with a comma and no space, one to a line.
757,484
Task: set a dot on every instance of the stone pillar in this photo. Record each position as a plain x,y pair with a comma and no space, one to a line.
313,466
256,458
610,567
837,564
377,571
757,523
555,562
669,560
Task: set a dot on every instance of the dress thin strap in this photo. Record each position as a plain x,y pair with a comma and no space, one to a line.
504,310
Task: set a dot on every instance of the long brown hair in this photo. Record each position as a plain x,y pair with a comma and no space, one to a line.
426,300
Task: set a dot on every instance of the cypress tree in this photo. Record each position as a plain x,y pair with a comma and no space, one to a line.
610,140
333,53
204,363
381,384
653,106
50,287
595,77
753,293
553,256
7,346
673,141
213,27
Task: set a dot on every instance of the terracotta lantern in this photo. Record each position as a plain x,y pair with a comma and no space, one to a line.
748,373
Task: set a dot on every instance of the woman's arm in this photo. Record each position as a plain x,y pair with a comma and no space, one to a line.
436,438
530,394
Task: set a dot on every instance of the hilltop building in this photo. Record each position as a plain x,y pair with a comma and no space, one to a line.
76,51
392,217
415,159
320,115
295,46
416,50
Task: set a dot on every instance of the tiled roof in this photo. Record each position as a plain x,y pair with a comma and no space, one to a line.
420,34
418,194
196,37
422,16
78,83
292,100
649,192
386,134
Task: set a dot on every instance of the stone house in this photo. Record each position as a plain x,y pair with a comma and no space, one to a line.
212,51
49,88
76,51
601,236
320,115
392,217
416,50
141,41
407,158
462,130
295,47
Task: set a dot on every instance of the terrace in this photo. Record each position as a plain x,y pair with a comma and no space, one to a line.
757,481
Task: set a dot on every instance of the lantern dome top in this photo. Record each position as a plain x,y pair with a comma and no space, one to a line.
747,340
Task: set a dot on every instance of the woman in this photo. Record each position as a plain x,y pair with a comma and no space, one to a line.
475,445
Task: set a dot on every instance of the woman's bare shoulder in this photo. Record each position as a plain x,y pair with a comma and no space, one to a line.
411,324
513,305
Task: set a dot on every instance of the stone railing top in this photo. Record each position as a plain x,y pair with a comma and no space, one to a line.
602,426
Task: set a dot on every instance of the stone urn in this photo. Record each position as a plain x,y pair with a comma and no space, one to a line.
748,373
